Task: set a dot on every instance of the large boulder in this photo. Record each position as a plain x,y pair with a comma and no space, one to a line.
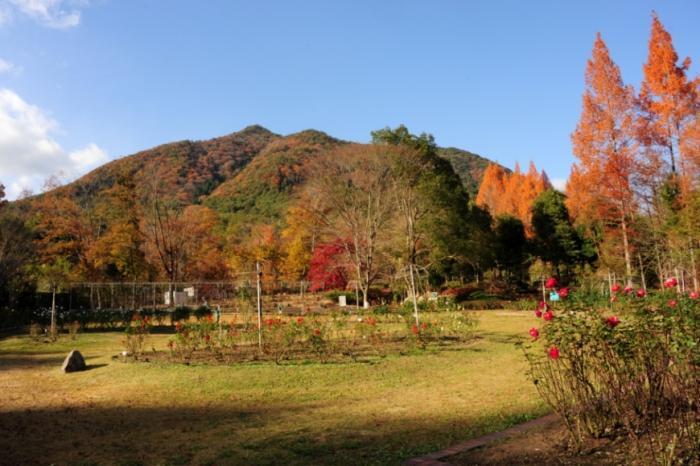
74,362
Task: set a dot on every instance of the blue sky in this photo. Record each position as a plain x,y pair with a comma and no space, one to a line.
84,81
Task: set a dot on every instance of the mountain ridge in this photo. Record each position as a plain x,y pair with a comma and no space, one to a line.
249,174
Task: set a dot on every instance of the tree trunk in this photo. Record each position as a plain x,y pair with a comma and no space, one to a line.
626,245
53,312
171,294
641,272
693,268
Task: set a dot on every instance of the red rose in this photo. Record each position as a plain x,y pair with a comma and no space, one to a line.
541,305
628,289
534,333
551,282
616,288
414,329
553,352
317,332
207,338
549,315
423,325
300,320
693,295
641,293
563,292
612,321
613,299
670,282
538,313
672,303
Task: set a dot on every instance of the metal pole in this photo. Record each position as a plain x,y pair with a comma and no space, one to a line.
258,274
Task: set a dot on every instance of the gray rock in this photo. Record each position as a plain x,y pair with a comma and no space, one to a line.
74,362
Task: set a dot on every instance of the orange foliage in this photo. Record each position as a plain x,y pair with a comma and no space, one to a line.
512,193
604,140
603,180
64,230
668,99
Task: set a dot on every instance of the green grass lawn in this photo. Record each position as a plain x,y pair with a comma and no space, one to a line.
379,412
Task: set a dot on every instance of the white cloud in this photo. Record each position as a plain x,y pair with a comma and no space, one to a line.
89,157
58,14
559,184
8,68
28,151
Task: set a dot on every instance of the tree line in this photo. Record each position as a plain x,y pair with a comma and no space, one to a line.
635,184
393,213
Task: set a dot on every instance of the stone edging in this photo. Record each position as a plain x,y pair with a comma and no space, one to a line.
433,459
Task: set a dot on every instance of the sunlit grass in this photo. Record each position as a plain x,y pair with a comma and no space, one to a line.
352,413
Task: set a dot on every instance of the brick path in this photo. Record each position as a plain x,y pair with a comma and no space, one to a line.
433,459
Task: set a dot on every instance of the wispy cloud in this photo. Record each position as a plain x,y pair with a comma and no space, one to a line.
57,14
7,67
28,151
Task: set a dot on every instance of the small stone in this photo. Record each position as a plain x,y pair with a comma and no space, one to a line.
74,362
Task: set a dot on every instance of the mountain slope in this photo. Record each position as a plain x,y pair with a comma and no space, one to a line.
266,185
248,176
188,170
469,166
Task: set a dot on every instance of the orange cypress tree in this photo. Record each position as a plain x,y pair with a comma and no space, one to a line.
604,144
668,99
512,193
492,189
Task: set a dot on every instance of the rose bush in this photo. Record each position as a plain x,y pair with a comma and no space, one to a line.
629,368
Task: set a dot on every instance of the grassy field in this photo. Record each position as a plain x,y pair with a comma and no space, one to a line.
378,412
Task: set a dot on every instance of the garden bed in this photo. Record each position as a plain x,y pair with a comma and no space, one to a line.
340,351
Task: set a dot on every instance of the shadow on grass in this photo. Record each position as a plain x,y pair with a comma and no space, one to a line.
264,434
24,360
91,367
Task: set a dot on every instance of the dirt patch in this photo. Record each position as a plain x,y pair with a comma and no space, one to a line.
545,444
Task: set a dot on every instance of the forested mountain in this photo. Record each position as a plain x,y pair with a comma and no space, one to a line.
250,174
469,166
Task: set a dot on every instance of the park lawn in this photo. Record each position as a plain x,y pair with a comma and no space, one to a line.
378,412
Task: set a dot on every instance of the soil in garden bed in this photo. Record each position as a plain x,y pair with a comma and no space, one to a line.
338,354
546,444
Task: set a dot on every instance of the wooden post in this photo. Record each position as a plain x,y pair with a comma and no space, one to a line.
413,295
544,291
258,275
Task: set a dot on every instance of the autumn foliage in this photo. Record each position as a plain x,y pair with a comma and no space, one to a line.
505,193
327,271
636,173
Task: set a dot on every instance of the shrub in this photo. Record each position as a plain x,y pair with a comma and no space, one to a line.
137,333
180,314
202,312
629,369
73,329
459,294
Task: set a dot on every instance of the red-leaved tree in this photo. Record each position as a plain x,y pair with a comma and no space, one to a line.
326,271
